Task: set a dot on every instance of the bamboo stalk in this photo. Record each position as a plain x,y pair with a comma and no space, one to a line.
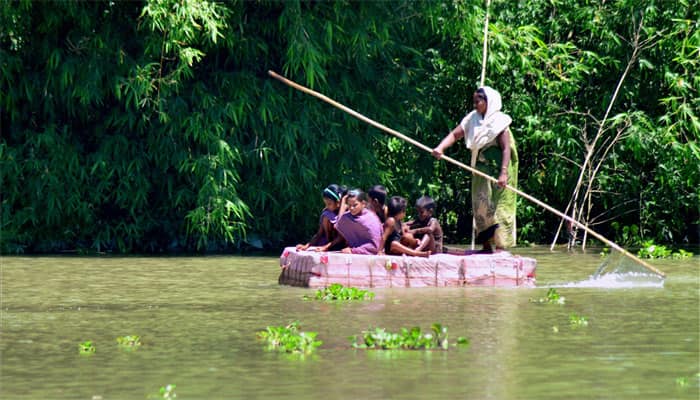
461,165
484,55
486,41
573,202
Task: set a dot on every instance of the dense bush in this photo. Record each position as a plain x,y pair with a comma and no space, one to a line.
153,126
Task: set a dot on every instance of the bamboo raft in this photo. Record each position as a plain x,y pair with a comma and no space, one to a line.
317,270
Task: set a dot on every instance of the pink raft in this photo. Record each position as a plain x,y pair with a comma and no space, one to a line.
317,270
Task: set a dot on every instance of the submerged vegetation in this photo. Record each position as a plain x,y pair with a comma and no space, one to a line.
289,339
406,339
337,291
152,126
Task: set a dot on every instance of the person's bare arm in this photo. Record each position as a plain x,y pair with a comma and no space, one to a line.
456,134
430,228
504,142
343,206
327,228
388,227
338,239
313,240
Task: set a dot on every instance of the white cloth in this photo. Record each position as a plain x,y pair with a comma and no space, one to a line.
481,131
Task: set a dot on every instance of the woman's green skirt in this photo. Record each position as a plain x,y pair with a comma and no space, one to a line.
491,204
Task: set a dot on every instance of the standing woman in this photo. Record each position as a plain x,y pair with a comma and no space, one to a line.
493,150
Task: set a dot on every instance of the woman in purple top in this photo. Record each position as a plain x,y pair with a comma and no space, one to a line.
360,227
326,231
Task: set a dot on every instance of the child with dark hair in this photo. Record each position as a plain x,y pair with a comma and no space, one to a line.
359,227
329,216
393,230
426,228
377,201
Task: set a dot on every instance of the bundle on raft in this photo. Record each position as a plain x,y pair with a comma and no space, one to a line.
322,269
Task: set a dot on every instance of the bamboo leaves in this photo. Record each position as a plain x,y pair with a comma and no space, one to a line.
153,127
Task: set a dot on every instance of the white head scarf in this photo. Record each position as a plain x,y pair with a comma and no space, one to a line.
482,131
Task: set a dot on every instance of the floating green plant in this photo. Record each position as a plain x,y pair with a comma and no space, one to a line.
682,381
86,347
165,392
681,254
552,297
413,339
337,291
130,342
577,320
649,249
289,339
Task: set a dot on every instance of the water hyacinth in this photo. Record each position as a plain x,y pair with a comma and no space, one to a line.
86,348
130,342
407,339
651,250
166,392
289,339
337,291
552,297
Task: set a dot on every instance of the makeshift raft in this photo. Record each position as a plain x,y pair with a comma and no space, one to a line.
322,269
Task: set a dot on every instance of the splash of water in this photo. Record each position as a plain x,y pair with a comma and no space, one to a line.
618,271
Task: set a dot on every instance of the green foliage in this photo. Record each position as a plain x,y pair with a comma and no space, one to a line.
153,127
681,254
628,235
337,291
86,348
129,342
552,297
289,339
649,249
405,339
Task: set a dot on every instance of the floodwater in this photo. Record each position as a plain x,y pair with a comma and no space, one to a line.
198,317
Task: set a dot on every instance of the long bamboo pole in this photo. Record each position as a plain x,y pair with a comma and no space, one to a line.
484,54
463,166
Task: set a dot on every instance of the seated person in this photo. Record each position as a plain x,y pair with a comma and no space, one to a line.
377,201
425,228
329,216
358,227
393,230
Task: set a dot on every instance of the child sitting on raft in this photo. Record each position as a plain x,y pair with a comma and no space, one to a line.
377,201
358,227
425,228
393,230
329,216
